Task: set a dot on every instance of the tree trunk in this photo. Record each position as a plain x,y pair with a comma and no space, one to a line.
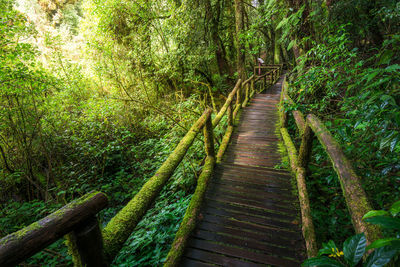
240,54
220,53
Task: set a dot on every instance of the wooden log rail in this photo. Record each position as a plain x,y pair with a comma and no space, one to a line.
77,218
88,245
355,196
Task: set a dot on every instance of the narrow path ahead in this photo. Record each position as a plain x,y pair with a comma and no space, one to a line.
250,216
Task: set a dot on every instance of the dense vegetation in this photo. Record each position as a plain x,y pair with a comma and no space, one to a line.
94,95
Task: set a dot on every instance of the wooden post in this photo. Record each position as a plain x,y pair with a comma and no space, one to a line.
264,82
246,98
209,138
227,136
307,223
238,100
305,147
252,87
272,76
86,244
24,243
230,114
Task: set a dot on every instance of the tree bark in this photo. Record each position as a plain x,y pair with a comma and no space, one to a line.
240,54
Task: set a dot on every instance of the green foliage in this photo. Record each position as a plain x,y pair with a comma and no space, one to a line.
354,248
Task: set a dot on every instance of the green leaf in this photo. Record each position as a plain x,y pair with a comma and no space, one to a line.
394,67
382,242
322,262
380,257
282,23
373,213
327,248
354,248
291,44
395,209
385,222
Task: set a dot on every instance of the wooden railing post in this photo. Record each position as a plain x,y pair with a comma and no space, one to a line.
238,93
26,242
209,138
230,114
306,146
252,87
85,244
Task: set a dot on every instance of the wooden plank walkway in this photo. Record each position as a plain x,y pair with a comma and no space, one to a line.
250,216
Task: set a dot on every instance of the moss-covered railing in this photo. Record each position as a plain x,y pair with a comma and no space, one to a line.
77,219
355,196
88,245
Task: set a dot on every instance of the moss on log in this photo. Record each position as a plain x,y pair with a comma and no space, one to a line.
224,143
252,88
246,98
354,194
191,215
222,111
248,80
124,222
209,138
307,225
24,243
305,147
291,149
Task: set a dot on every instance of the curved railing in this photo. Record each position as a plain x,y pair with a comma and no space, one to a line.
355,197
91,247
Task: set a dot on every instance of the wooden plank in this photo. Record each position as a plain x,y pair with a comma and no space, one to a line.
218,259
255,212
253,204
242,253
265,177
194,263
250,218
262,248
260,237
263,187
263,229
238,166
249,191
252,180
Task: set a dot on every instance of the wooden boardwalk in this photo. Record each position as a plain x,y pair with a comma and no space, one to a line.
250,216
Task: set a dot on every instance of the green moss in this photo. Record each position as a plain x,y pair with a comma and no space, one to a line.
291,149
189,220
354,194
121,225
224,143
70,242
226,104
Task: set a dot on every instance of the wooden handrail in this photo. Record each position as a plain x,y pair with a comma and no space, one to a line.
74,216
356,199
228,101
192,212
124,222
355,196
